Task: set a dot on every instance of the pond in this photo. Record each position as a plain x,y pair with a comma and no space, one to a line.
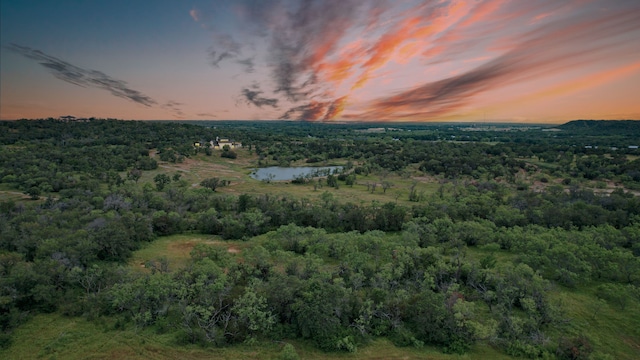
278,173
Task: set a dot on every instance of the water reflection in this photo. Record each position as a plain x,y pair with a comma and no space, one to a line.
278,173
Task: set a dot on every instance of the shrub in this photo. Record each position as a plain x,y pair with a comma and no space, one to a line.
577,348
5,341
289,353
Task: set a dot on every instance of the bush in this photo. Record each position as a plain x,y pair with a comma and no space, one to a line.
457,346
577,348
403,337
5,341
522,349
288,353
229,154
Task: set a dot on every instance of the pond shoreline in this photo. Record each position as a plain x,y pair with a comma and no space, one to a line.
281,173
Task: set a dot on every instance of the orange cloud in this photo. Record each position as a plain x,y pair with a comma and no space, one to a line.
410,29
543,52
480,13
335,108
583,83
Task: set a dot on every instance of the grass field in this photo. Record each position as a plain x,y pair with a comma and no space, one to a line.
197,168
9,194
52,336
610,329
176,249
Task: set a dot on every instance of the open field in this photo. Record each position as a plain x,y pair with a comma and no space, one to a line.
197,168
176,249
9,194
606,325
51,336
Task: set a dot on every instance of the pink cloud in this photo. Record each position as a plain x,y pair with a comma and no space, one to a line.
195,15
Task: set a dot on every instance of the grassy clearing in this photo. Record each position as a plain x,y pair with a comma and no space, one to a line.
200,167
52,336
177,248
13,196
7,193
476,253
197,168
610,329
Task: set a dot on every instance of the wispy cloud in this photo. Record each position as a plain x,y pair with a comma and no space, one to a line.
174,107
254,97
83,77
224,47
248,64
305,40
316,110
207,115
542,52
195,14
319,53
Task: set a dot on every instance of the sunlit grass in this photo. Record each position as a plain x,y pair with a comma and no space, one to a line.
176,249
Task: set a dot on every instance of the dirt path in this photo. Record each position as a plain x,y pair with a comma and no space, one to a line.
15,193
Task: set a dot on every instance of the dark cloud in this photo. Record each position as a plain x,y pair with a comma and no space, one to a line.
224,47
207,115
335,108
248,64
174,107
216,57
307,37
254,97
83,77
299,36
172,104
315,110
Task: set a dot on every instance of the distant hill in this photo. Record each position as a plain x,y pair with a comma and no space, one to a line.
603,126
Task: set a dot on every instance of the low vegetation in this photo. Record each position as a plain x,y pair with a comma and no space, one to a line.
123,239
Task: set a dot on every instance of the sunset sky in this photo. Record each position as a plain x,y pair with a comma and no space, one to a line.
542,61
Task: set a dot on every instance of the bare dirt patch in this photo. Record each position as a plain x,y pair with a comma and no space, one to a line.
187,246
183,245
425,179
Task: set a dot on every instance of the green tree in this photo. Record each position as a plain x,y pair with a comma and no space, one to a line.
253,314
34,193
213,183
161,181
318,313
134,174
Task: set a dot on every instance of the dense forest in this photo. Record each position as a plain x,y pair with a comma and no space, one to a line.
431,235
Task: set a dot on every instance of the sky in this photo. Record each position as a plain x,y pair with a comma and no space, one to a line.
542,61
